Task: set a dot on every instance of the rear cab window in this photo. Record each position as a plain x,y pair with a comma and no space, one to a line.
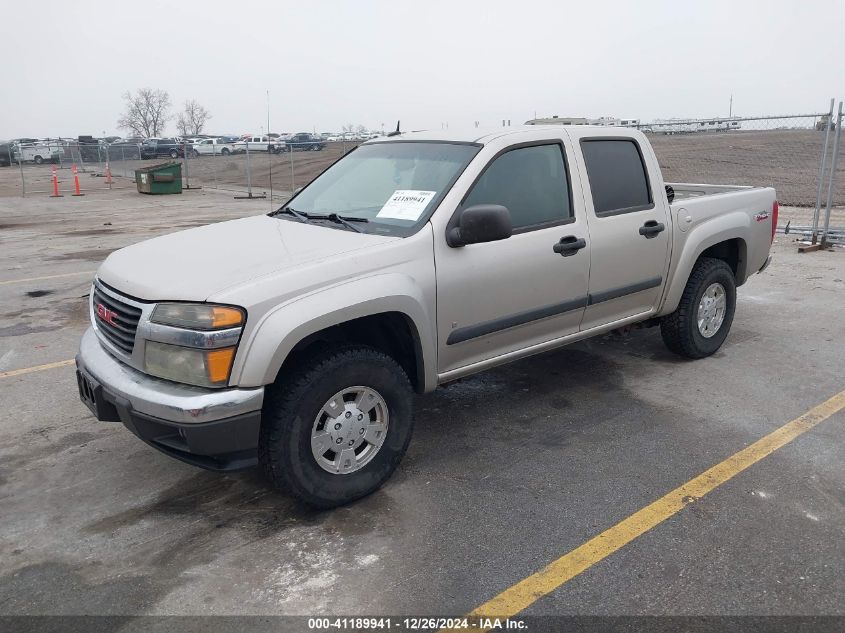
617,175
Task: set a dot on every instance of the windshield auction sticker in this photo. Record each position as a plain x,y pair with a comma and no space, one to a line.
406,204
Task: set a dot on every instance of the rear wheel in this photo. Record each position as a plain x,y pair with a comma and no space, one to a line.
38,160
196,154
224,151
174,154
336,428
700,324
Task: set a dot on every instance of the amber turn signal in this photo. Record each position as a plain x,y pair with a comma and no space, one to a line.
222,316
218,362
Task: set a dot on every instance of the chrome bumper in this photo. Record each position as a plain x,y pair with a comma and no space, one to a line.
163,399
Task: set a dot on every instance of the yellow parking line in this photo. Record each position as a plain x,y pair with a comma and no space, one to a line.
29,370
20,281
524,593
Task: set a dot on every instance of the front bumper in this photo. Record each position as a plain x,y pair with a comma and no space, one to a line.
211,428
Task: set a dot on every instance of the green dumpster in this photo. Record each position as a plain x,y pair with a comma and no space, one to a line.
159,179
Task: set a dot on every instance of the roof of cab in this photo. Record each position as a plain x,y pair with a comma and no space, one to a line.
476,135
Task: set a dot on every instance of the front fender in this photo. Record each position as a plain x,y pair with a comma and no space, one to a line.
284,326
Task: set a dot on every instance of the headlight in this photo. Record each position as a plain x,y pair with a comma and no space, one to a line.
197,347
205,368
197,316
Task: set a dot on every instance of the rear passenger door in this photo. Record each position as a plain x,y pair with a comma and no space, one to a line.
629,229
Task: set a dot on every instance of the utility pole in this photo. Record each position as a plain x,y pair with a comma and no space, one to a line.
731,107
269,153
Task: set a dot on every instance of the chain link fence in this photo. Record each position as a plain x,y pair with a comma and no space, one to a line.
781,152
256,169
784,152
834,171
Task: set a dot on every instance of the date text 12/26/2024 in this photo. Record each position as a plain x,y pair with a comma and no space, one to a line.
416,623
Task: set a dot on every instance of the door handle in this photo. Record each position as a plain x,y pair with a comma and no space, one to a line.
569,245
651,228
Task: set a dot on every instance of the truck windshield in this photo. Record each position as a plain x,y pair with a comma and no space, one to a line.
394,185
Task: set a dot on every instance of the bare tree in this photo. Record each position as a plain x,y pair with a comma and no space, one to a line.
348,128
146,113
192,119
361,129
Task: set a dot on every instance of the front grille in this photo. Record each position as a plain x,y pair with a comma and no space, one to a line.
120,332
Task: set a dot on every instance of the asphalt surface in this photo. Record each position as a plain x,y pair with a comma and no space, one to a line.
507,471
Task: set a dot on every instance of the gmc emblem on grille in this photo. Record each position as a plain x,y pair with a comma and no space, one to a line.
106,315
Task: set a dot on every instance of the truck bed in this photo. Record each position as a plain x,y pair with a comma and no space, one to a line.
686,190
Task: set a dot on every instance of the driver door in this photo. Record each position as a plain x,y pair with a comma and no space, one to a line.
499,297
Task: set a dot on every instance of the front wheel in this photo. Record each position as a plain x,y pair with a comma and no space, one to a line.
38,160
174,154
335,429
700,324
225,151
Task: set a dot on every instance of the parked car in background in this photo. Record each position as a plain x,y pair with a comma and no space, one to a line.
212,147
127,148
259,144
39,152
6,153
132,140
161,147
303,141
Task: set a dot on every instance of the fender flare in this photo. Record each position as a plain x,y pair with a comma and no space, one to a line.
720,229
268,345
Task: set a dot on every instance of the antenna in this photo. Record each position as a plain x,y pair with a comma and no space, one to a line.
396,132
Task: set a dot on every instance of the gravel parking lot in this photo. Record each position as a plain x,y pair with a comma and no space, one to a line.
508,470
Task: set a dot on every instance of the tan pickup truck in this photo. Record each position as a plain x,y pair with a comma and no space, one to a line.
294,340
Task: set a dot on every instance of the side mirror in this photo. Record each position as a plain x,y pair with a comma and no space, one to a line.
480,223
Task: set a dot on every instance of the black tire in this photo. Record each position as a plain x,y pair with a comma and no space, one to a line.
196,154
174,153
38,160
225,151
680,329
292,405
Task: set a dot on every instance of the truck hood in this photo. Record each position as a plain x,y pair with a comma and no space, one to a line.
192,265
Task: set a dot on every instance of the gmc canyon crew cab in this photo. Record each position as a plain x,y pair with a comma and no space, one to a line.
295,340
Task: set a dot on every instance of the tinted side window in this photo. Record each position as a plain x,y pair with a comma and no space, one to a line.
617,176
530,181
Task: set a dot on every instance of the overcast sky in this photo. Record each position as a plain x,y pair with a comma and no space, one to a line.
66,63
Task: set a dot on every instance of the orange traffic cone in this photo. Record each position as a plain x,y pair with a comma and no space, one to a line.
76,181
108,175
56,193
